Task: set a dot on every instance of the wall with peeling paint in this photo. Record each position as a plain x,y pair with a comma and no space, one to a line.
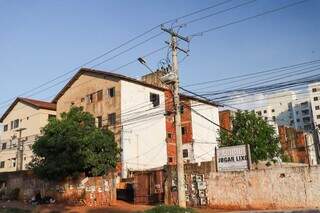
276,188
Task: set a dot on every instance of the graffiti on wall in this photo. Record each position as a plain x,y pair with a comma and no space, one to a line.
195,189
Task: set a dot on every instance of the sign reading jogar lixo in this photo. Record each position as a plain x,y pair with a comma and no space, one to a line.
233,158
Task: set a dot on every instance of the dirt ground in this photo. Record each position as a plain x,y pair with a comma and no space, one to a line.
119,207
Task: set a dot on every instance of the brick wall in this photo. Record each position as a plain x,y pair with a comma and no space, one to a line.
186,122
293,142
225,119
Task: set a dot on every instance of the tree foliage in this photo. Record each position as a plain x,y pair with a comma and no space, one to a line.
73,145
248,128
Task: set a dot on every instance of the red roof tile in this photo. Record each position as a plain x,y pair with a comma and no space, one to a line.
32,102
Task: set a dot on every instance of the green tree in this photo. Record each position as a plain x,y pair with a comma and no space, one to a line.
248,128
73,145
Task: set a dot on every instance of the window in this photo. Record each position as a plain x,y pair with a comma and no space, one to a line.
304,104
317,107
170,159
16,123
274,118
155,99
315,98
112,119
13,161
264,111
99,121
318,116
181,109
111,92
259,112
82,99
306,119
314,89
183,130
4,146
185,153
5,128
272,110
11,125
298,120
2,164
265,118
169,135
307,127
99,95
305,112
89,98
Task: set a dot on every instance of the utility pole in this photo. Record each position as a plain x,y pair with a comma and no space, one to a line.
175,70
20,149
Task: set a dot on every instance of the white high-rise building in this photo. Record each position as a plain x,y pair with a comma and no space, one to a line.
285,109
302,114
278,109
314,93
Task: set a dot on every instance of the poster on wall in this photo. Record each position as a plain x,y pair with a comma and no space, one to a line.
233,158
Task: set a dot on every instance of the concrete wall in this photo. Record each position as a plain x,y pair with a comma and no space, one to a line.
94,191
293,187
143,128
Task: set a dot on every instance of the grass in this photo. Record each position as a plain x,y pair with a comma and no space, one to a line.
169,209
13,210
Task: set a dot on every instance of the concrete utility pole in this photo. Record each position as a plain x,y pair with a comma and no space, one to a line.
20,149
175,70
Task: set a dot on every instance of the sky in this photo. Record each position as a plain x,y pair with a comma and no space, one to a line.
43,39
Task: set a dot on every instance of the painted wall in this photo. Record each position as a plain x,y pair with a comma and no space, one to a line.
277,188
204,132
33,120
143,131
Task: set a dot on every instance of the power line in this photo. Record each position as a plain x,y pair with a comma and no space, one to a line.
215,13
40,91
115,48
201,33
249,77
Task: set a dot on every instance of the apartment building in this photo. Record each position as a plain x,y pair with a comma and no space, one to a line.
302,114
284,108
22,123
140,115
314,93
278,109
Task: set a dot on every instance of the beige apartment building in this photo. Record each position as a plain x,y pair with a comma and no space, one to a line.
22,123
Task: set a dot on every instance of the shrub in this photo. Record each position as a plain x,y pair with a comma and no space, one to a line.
170,209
